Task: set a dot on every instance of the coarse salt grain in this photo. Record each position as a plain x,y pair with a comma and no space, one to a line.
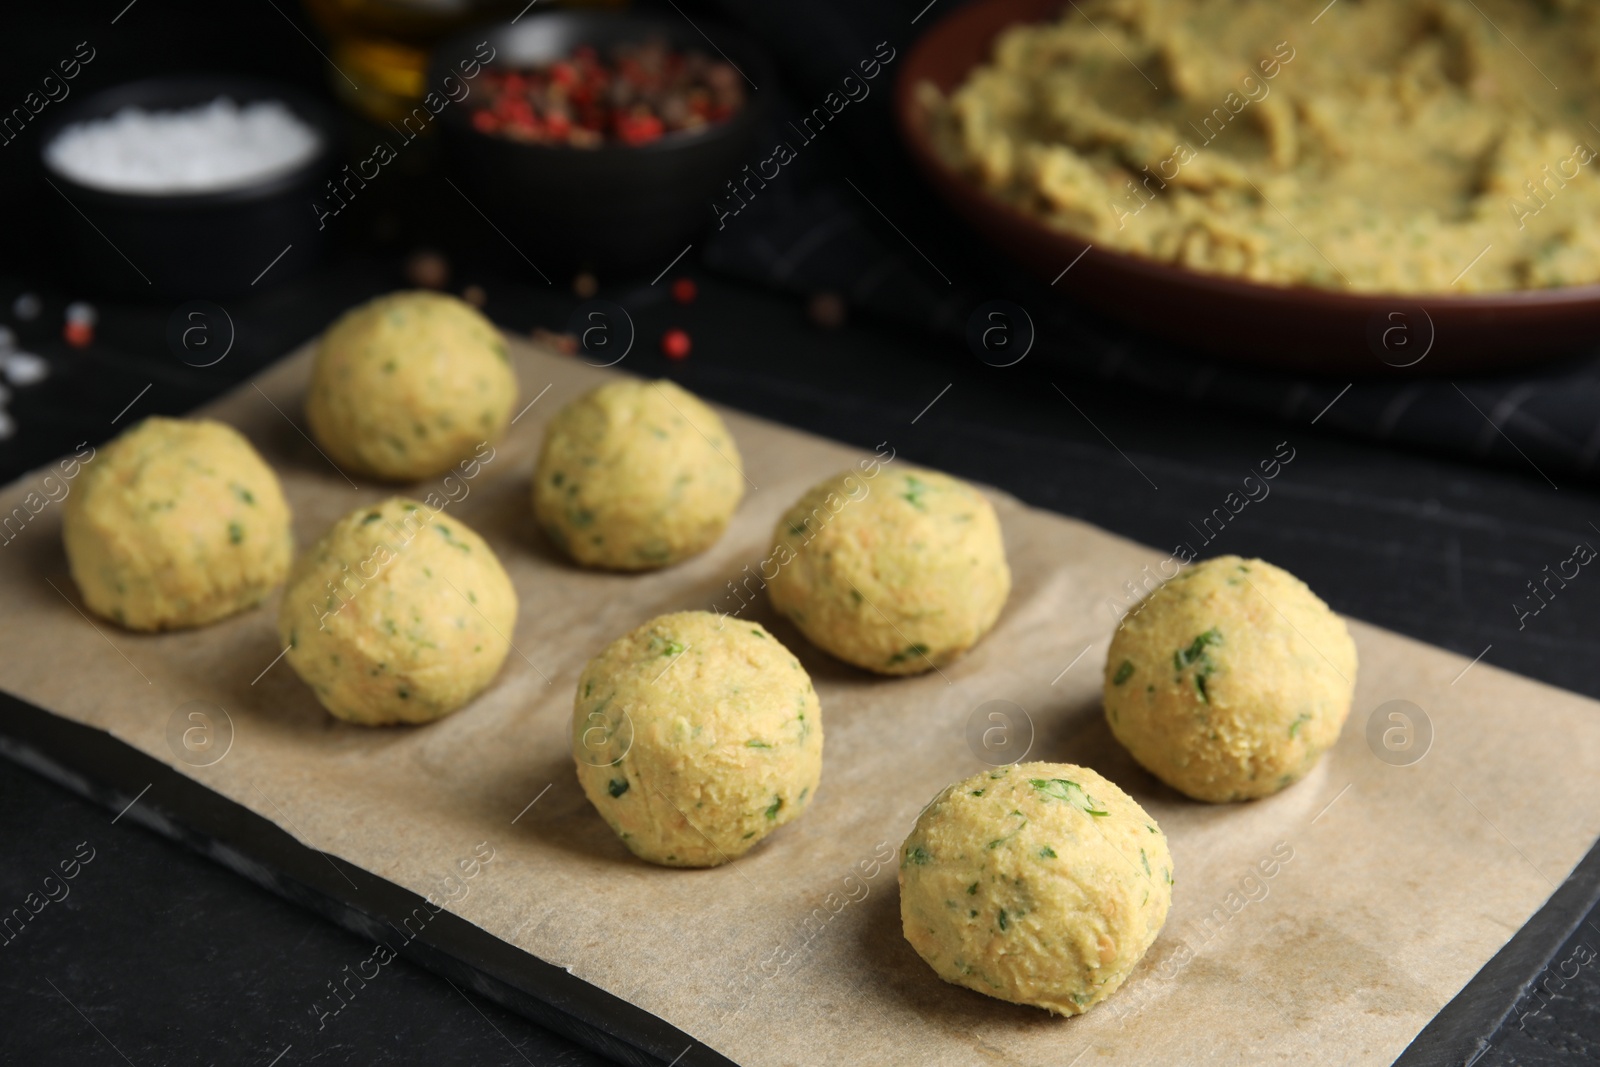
24,368
209,148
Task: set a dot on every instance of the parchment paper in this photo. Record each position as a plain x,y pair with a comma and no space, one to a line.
1399,882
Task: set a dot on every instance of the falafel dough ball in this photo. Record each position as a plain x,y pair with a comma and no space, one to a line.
398,614
635,475
695,736
1041,884
176,523
1229,681
407,384
897,574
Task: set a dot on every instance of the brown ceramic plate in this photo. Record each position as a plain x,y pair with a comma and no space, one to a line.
1297,328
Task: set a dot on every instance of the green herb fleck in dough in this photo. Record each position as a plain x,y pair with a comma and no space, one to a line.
972,890
1197,649
1294,727
774,807
758,633
918,855
371,517
908,653
617,786
1124,672
1047,853
1197,653
1002,920
235,533
977,792
1145,860
1071,792
244,494
753,743
915,487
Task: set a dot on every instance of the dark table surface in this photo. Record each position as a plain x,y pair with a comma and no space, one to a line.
159,956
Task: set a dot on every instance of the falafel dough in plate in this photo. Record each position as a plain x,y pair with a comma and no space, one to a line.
1384,149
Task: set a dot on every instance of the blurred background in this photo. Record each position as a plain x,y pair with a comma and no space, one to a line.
848,228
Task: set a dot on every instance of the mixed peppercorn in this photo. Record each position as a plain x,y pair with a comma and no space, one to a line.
635,94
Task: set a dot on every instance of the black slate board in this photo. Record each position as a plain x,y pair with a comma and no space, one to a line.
96,765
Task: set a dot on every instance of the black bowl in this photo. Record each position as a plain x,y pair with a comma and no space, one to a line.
614,206
194,244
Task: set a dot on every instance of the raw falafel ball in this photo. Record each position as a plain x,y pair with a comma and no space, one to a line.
695,736
176,523
398,614
636,475
407,384
1229,681
898,574
1040,883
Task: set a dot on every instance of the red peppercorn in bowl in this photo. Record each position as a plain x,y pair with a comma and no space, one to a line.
634,93
599,139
